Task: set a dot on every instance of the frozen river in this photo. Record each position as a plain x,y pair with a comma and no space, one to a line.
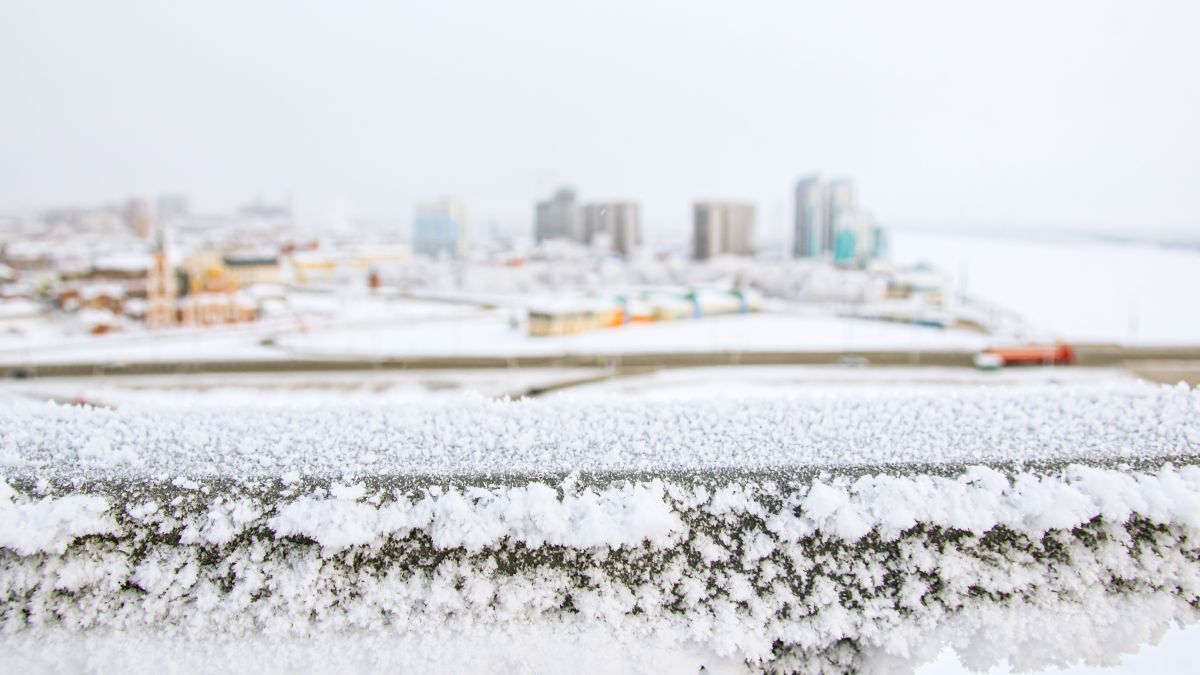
1076,289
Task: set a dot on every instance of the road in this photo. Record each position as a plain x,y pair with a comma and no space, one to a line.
1158,363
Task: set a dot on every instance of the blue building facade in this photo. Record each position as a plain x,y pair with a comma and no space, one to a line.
439,229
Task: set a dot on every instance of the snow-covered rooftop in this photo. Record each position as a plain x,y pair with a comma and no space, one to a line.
124,261
20,309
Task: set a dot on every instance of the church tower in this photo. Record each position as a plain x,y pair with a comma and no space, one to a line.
160,288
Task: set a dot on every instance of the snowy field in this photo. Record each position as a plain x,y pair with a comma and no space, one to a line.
208,344
312,388
775,381
315,312
757,332
374,387
1077,289
472,332
833,529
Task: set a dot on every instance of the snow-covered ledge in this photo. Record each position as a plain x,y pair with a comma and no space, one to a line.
836,532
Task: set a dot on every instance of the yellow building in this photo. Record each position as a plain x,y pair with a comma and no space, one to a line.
211,290
376,257
250,270
312,268
574,317
205,272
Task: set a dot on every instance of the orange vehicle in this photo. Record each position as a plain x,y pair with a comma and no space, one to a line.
1026,355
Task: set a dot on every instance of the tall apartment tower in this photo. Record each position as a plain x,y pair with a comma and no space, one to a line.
839,203
859,240
558,218
720,228
440,229
811,238
617,226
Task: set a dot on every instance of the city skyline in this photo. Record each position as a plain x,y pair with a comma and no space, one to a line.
779,235
944,123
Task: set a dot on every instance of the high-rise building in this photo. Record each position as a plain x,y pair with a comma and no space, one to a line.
844,246
613,226
865,230
880,247
810,238
829,224
720,228
558,218
440,229
857,239
839,201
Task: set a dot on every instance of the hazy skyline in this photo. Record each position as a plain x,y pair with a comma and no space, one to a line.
1077,115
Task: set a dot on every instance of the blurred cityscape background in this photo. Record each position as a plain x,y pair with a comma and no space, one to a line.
155,280
265,187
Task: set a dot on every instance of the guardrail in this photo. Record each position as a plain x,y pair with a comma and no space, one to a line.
795,535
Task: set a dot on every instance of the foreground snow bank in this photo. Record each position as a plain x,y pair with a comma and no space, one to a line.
1082,521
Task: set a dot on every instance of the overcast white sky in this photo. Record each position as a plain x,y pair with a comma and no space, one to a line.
956,114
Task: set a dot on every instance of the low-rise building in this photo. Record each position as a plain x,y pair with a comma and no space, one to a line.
311,268
250,269
566,317
573,317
